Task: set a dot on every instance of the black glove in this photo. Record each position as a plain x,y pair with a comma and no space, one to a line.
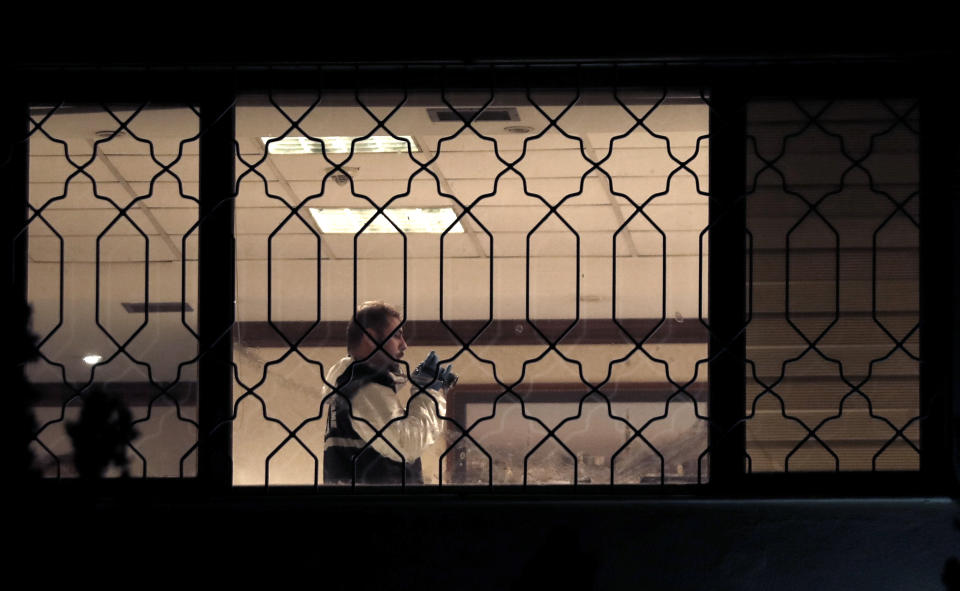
429,374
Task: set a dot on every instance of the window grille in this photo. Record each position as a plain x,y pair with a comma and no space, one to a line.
112,277
623,373
833,342
570,373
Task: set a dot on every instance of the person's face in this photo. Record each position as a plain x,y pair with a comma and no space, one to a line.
393,345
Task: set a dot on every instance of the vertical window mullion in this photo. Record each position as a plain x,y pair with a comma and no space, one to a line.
14,184
939,256
14,176
727,287
216,281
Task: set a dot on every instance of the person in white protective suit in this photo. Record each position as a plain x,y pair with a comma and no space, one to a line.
366,384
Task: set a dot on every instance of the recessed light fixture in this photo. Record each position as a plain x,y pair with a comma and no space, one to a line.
92,359
377,144
417,220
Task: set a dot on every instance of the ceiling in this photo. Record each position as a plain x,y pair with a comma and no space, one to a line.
90,163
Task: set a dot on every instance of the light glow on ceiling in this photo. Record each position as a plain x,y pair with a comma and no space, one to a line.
340,144
416,220
92,359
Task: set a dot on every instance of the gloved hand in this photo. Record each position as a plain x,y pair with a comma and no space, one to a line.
429,374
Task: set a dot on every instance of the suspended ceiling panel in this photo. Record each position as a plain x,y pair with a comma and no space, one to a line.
118,184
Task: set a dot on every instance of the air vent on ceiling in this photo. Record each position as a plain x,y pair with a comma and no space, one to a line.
139,307
441,115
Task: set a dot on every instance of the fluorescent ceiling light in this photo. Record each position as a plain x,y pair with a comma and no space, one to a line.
377,144
411,220
92,359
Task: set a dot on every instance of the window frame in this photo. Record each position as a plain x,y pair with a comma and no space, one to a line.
729,81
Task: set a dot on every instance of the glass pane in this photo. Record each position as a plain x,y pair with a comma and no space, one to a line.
547,245
833,344
112,287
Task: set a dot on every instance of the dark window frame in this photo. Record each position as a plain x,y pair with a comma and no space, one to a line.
729,80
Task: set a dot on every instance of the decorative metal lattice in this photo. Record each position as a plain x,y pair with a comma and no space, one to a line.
553,245
112,278
561,206
833,343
